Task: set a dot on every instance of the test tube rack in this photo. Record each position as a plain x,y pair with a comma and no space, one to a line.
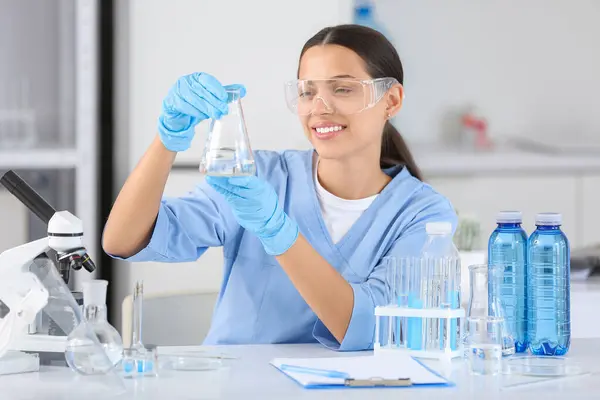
393,314
422,314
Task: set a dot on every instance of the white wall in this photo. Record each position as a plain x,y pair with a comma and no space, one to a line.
531,66
256,43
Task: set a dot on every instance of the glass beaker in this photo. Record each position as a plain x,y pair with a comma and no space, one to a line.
484,300
80,353
227,151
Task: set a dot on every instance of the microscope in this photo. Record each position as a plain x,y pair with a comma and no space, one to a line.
26,278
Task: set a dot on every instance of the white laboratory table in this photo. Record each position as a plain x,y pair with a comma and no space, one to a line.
250,376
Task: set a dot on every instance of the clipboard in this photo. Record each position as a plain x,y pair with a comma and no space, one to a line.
396,371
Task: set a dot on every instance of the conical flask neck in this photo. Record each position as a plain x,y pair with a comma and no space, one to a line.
479,278
483,277
478,296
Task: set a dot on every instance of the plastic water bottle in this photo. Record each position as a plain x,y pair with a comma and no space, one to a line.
507,248
442,279
548,291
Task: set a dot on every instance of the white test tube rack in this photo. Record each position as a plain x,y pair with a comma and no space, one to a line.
433,314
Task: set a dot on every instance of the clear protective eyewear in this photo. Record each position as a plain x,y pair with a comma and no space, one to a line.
341,95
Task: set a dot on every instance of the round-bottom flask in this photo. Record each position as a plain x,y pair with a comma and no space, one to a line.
95,346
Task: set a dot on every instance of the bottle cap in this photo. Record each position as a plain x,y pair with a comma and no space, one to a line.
438,228
548,219
94,292
509,217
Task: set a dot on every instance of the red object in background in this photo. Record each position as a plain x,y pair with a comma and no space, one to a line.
478,126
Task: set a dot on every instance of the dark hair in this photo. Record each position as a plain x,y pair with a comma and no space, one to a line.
382,61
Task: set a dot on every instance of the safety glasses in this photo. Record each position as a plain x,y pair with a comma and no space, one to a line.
340,95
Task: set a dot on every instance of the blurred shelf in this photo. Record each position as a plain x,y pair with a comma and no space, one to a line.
60,158
436,160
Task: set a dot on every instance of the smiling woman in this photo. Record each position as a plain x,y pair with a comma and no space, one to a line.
366,56
304,239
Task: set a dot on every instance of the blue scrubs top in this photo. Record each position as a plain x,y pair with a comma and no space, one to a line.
257,302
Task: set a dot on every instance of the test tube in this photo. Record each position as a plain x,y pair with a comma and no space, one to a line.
392,279
416,296
404,268
455,302
446,287
438,281
138,297
450,299
428,285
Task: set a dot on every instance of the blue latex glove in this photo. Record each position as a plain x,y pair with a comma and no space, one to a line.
192,99
257,209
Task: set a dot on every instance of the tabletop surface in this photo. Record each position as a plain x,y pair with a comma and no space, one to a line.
250,376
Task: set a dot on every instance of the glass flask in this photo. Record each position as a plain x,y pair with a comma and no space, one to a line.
483,345
81,354
485,283
227,151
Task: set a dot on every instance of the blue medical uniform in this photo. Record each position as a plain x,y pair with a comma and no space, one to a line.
257,302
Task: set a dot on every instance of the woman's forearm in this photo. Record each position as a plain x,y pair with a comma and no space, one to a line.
133,214
322,287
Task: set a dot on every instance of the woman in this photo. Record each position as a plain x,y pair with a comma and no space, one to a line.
303,241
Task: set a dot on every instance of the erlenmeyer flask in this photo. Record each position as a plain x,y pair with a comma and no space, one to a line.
484,300
227,150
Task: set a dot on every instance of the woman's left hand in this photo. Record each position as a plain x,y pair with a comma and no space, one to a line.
256,208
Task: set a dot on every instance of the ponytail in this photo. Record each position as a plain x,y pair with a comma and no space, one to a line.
394,151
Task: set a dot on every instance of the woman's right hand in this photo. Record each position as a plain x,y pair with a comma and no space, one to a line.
192,99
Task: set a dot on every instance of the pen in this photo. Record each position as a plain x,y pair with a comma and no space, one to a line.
314,371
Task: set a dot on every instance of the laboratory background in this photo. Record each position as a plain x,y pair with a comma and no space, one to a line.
501,113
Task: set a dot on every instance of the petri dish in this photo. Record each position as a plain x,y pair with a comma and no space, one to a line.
185,362
543,366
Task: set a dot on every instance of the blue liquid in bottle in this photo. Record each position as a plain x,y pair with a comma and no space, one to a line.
548,291
507,248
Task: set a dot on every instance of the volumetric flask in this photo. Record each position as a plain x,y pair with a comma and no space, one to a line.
227,150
